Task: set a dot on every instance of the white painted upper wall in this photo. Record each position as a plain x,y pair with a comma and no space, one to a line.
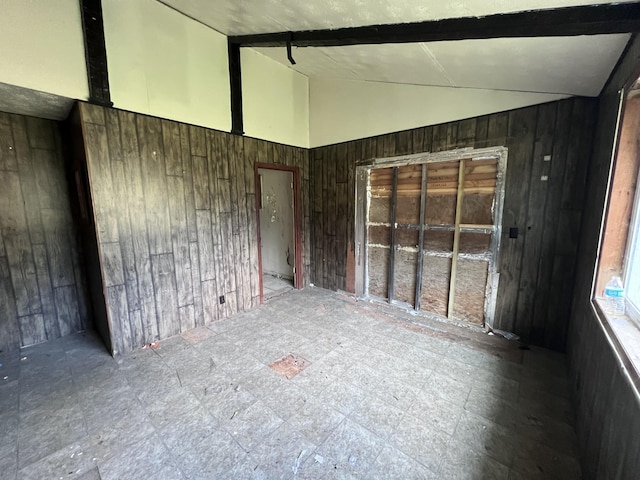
42,47
275,100
165,64
342,110
162,63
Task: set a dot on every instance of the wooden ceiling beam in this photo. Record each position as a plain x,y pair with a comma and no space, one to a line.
560,22
95,52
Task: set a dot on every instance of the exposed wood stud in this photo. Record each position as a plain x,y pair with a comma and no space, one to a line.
423,211
456,240
392,240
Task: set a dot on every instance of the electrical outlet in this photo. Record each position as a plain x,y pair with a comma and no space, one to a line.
221,299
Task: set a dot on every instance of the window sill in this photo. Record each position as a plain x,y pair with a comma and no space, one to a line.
625,337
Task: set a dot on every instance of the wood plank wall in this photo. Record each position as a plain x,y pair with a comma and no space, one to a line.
607,408
42,286
537,269
174,206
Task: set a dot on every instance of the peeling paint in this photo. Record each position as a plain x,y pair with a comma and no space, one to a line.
272,205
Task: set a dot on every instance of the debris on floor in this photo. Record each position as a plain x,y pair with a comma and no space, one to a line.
290,365
507,335
153,345
297,464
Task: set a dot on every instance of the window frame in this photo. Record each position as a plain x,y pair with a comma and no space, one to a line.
622,332
633,242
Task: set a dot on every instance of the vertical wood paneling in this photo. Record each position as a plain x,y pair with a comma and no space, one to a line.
534,206
538,191
113,272
522,128
551,219
146,331
172,148
32,329
119,318
189,183
205,246
97,148
40,284
8,161
154,185
126,242
180,240
18,246
67,309
58,247
243,273
28,179
180,202
198,308
51,325
466,133
482,131
164,282
9,331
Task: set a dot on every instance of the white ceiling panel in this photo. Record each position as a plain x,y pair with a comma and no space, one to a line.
381,63
567,65
240,17
573,65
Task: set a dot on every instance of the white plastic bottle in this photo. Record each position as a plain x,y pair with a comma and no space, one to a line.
614,296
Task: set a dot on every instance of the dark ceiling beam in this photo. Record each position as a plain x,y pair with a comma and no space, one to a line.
235,84
561,22
95,52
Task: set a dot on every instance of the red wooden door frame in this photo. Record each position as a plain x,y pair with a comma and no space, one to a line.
297,220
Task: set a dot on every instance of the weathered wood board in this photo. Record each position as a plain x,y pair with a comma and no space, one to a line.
40,286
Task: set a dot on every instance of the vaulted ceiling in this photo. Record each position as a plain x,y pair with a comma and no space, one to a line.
566,65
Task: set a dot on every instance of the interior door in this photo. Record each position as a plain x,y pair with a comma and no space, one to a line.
277,223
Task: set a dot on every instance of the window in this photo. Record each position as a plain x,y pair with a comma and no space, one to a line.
620,239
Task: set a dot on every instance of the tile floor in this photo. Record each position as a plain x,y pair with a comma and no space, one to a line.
273,286
380,398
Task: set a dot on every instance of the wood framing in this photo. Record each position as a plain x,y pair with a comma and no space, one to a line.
423,209
392,240
297,221
456,239
418,203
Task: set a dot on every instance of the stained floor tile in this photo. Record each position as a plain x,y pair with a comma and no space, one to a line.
383,396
